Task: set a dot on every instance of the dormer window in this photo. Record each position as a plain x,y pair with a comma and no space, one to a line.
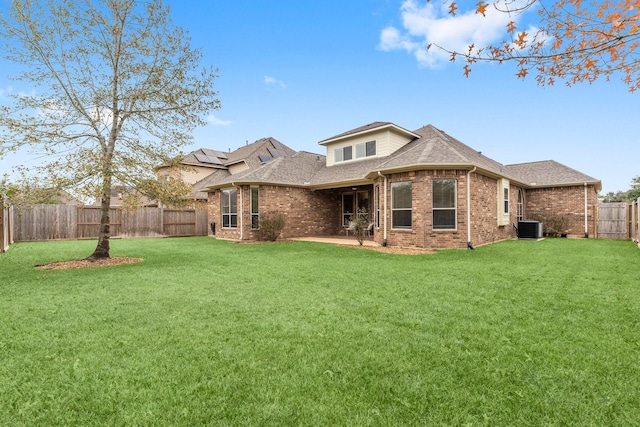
365,149
343,154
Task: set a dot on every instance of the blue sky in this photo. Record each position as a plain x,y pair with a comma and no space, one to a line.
304,71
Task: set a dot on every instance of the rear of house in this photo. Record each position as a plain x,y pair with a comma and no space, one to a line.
419,188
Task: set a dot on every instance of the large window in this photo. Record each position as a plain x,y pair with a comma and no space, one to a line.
444,204
255,208
229,201
401,205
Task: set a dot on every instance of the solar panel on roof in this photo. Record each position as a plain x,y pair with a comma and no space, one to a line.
208,159
277,145
264,159
273,152
220,154
208,152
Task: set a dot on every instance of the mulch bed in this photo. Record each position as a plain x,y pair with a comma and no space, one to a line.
83,263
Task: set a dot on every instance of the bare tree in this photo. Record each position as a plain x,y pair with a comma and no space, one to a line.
116,91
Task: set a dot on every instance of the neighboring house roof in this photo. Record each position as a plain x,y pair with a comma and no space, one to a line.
549,173
295,170
430,148
252,155
261,151
205,157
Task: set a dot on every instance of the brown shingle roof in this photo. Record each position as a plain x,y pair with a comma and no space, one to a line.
549,173
432,148
295,170
436,148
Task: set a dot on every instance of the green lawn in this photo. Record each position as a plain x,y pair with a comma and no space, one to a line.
207,332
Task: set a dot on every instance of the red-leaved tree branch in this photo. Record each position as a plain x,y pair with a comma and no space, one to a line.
576,41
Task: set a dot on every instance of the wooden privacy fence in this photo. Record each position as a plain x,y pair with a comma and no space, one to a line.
619,221
62,222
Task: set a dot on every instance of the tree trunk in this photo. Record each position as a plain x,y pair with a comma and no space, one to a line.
102,249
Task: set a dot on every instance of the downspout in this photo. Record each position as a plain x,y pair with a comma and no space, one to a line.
469,245
240,210
384,222
586,224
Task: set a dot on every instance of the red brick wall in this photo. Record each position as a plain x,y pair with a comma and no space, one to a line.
484,211
318,213
567,202
422,233
306,213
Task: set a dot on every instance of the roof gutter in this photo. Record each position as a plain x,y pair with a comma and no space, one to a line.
384,223
469,245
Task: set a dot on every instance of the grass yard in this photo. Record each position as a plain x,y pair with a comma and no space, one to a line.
207,332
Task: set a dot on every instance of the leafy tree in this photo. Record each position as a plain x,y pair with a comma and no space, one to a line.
634,192
576,41
116,90
618,196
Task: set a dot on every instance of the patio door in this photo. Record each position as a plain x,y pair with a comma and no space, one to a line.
363,205
354,203
347,209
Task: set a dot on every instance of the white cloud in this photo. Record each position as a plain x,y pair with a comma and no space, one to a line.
211,119
4,92
431,22
270,81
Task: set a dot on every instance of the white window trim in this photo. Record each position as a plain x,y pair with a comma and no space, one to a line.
503,217
354,152
230,214
455,207
393,227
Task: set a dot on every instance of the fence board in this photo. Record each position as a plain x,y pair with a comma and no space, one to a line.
5,227
59,222
612,221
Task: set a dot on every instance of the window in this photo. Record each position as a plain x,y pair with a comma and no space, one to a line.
506,200
255,212
363,205
401,205
520,213
444,204
229,201
342,154
347,209
365,149
503,202
377,196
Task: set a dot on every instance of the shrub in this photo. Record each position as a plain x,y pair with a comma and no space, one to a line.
271,225
360,225
554,225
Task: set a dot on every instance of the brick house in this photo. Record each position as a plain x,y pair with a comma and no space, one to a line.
419,188
202,165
